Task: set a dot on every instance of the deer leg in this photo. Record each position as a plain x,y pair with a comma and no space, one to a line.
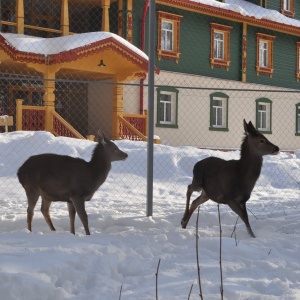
189,193
200,200
193,187
45,211
79,205
72,213
241,211
32,198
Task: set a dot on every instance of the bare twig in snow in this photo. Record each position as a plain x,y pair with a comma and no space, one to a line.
156,274
197,255
120,292
190,291
221,273
234,228
234,232
252,214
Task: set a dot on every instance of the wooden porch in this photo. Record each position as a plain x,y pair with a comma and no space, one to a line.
35,118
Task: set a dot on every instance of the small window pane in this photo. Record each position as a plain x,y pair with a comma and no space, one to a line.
218,45
166,109
287,5
263,54
262,116
218,113
167,36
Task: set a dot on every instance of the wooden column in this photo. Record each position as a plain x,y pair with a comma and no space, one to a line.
49,99
64,19
129,21
120,18
244,53
117,108
20,16
19,114
105,15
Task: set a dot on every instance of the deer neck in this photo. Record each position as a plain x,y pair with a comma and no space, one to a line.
250,165
100,163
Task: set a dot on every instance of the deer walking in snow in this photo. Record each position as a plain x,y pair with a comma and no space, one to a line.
230,182
63,178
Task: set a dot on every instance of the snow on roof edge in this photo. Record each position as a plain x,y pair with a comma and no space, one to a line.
248,9
56,45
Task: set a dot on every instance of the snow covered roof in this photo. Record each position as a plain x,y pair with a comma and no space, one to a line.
52,46
241,10
246,8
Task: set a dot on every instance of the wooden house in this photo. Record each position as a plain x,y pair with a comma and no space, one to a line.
63,66
219,62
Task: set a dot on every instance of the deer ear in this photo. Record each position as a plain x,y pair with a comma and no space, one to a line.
101,137
245,126
249,128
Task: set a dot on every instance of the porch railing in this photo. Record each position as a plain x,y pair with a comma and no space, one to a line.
134,127
33,118
62,128
129,131
30,118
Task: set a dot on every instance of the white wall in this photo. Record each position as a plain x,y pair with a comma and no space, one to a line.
194,111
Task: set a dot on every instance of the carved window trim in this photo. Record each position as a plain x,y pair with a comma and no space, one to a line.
225,32
288,8
268,41
173,54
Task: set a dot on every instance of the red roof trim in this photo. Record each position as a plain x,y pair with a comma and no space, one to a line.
77,53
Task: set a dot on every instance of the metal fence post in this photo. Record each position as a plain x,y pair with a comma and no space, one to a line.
150,148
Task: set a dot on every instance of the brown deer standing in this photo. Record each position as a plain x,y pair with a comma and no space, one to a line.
68,179
230,182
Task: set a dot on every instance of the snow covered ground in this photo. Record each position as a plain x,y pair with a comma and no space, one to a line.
125,246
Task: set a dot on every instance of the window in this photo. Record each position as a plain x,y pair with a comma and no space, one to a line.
167,107
168,36
219,45
219,112
264,115
219,53
298,119
167,33
264,54
288,8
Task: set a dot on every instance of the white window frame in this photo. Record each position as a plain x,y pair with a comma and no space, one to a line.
215,114
287,5
167,36
263,53
219,44
167,108
264,115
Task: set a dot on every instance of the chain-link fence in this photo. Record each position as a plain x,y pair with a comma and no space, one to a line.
215,66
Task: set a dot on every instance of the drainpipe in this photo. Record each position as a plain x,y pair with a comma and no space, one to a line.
143,26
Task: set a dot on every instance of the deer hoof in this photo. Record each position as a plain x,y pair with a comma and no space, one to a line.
183,224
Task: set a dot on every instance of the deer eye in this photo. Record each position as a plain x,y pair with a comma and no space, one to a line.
262,141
